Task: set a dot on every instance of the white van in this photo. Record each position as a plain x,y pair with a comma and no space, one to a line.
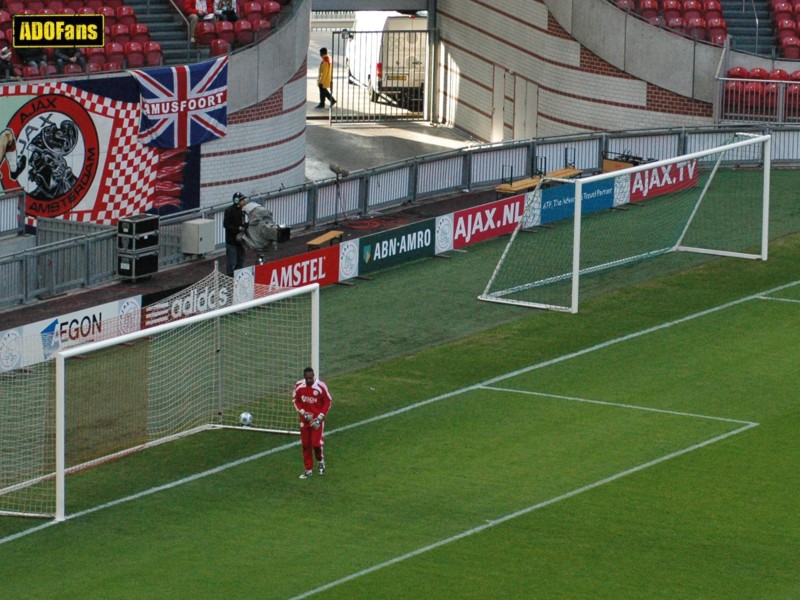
386,53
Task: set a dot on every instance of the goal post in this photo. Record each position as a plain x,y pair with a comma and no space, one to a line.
579,233
112,398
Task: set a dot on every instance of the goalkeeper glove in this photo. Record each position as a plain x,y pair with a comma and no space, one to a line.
307,416
316,423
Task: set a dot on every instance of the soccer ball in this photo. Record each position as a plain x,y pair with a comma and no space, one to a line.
245,419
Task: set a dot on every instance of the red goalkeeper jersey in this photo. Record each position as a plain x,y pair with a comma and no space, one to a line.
314,398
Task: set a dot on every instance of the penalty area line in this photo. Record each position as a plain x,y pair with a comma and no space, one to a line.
663,411
520,513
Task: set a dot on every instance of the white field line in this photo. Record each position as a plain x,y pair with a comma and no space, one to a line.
494,522
620,405
779,299
405,409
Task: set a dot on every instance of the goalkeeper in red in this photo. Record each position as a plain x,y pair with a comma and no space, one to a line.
312,400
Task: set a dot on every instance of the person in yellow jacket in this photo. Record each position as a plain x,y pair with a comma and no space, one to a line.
325,79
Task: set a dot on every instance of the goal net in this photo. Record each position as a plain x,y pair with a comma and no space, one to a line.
594,232
104,400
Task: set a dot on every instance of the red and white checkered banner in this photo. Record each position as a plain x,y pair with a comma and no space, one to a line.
77,155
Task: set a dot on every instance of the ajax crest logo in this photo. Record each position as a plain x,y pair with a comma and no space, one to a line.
50,149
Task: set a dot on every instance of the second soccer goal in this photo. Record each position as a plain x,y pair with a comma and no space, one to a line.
595,230
234,367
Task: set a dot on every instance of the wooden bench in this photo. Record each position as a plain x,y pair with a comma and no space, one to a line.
328,238
528,183
517,186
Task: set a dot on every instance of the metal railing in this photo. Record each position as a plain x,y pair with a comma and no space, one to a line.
91,258
758,100
12,212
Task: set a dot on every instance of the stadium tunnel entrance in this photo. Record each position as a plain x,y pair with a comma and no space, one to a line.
381,69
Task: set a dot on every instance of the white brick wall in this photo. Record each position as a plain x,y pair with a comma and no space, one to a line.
512,34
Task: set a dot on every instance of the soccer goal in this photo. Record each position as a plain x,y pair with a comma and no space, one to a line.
105,400
598,230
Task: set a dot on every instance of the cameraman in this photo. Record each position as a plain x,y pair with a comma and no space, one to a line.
235,225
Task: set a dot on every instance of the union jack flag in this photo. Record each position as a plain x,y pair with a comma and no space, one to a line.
183,106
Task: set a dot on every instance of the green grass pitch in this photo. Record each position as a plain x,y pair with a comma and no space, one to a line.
644,448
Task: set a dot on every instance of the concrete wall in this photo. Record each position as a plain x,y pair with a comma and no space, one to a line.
654,55
265,147
566,67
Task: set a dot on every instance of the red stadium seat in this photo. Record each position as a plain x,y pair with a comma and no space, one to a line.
733,93
717,28
93,67
244,32
204,33
153,55
649,9
115,4
219,47
778,75
793,99
758,73
754,96
14,7
712,10
93,4
48,70
134,55
677,24
29,72
72,68
671,9
120,34
47,11
252,11
790,47
786,28
66,11
269,7
697,28
261,28
75,5
782,10
126,15
115,53
771,92
795,75
626,5
692,9
85,10
113,66
55,5
140,32
95,56
109,16
225,31
737,73
35,5
5,17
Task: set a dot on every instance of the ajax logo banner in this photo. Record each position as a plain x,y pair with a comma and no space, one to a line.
50,149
